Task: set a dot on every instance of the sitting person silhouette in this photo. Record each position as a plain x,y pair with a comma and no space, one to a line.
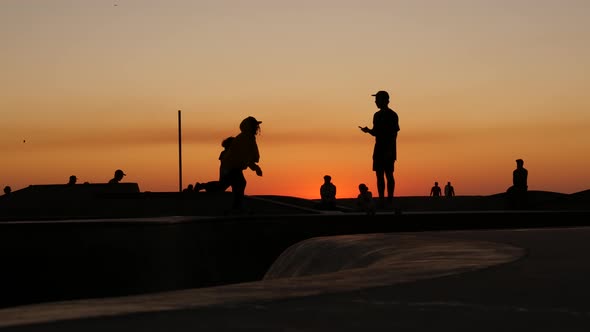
364,200
518,191
328,194
117,177
72,181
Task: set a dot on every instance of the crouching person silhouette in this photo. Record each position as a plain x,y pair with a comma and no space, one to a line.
364,200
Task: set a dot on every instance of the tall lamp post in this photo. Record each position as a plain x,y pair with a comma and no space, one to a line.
179,153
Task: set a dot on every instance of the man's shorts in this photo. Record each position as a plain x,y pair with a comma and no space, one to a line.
383,163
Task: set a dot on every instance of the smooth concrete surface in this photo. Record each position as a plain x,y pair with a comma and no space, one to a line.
312,267
443,271
91,258
545,290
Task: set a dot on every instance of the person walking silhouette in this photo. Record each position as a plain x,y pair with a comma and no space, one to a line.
385,130
435,191
449,190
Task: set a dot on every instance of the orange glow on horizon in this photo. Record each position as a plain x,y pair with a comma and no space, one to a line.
89,88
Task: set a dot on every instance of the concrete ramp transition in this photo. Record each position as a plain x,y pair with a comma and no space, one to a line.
315,266
378,259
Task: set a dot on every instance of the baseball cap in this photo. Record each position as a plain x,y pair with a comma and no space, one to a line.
253,119
249,122
120,172
381,94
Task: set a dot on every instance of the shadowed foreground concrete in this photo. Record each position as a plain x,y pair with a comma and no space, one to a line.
544,290
516,279
313,267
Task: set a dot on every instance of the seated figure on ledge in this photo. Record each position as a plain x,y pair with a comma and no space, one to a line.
517,193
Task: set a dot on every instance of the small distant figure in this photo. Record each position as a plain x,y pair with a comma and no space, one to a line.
435,191
188,189
520,177
449,190
328,194
215,186
364,200
72,181
517,193
119,174
385,129
7,191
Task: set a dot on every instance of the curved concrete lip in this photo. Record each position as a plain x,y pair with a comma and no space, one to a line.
312,267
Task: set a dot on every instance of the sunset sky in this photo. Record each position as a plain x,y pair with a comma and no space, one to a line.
89,86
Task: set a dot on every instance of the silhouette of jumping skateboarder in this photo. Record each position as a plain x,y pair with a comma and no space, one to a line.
242,153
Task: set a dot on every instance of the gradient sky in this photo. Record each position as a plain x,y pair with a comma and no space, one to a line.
89,86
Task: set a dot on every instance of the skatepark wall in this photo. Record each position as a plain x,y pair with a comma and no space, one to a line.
75,259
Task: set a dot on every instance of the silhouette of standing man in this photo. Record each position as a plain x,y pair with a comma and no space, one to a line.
449,190
435,191
385,129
